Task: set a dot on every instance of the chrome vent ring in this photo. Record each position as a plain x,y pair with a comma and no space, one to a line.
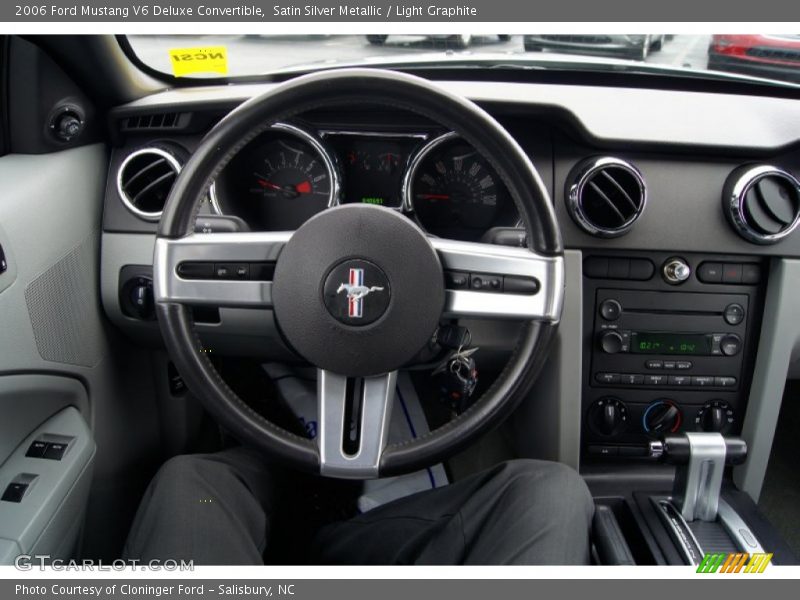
605,196
144,180
762,203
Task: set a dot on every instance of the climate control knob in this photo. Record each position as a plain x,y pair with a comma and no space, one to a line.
662,416
611,342
716,416
608,416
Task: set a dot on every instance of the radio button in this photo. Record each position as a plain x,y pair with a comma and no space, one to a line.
611,342
680,380
669,364
654,364
610,310
731,345
734,314
631,379
655,380
683,364
607,378
724,381
702,381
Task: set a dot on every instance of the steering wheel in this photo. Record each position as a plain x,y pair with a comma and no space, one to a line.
403,268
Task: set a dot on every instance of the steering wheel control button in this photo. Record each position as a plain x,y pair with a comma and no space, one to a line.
513,284
676,271
316,303
357,292
457,280
610,310
734,314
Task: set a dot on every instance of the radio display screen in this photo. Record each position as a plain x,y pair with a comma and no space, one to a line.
670,343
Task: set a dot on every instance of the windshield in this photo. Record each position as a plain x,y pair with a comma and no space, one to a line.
772,57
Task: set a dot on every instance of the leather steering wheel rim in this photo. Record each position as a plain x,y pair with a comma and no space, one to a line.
347,87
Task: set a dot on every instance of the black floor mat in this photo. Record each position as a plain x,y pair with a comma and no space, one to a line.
780,496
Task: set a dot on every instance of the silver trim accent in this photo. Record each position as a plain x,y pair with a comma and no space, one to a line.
373,426
406,204
242,247
172,160
734,204
656,449
574,195
355,133
680,532
473,257
334,199
738,529
698,483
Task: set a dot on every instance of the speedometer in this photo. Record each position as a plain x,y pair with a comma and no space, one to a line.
454,191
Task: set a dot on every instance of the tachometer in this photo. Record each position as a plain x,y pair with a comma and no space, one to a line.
278,181
289,169
454,191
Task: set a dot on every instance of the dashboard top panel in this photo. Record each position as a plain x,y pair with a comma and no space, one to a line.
603,114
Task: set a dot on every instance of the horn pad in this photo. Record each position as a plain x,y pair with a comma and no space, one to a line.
358,290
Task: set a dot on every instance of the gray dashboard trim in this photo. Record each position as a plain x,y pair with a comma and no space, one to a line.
780,332
608,114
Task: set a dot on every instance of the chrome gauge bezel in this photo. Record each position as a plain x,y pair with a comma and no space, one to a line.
327,158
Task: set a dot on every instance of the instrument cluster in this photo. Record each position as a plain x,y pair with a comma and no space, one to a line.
291,172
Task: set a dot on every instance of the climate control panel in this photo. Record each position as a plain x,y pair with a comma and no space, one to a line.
666,354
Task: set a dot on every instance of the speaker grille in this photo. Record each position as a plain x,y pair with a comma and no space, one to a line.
64,311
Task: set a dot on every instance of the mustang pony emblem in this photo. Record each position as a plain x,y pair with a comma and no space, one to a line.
356,291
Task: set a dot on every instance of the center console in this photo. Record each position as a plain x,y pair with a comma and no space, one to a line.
669,347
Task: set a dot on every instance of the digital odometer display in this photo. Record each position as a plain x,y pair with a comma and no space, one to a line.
670,343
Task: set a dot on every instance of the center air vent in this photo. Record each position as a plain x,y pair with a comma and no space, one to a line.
145,179
605,196
762,203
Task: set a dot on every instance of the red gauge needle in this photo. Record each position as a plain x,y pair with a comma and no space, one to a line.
300,188
268,184
435,196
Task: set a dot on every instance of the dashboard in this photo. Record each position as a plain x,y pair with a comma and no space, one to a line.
672,220
293,170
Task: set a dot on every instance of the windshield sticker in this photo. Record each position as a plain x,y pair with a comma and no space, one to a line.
189,61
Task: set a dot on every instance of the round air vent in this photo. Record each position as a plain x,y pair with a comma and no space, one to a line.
605,196
762,203
145,179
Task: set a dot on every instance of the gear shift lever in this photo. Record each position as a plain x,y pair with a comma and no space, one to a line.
701,459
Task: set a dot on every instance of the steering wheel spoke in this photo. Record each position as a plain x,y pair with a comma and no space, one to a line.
354,416
188,268
502,282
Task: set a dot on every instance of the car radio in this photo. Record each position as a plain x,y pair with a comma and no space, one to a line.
663,358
